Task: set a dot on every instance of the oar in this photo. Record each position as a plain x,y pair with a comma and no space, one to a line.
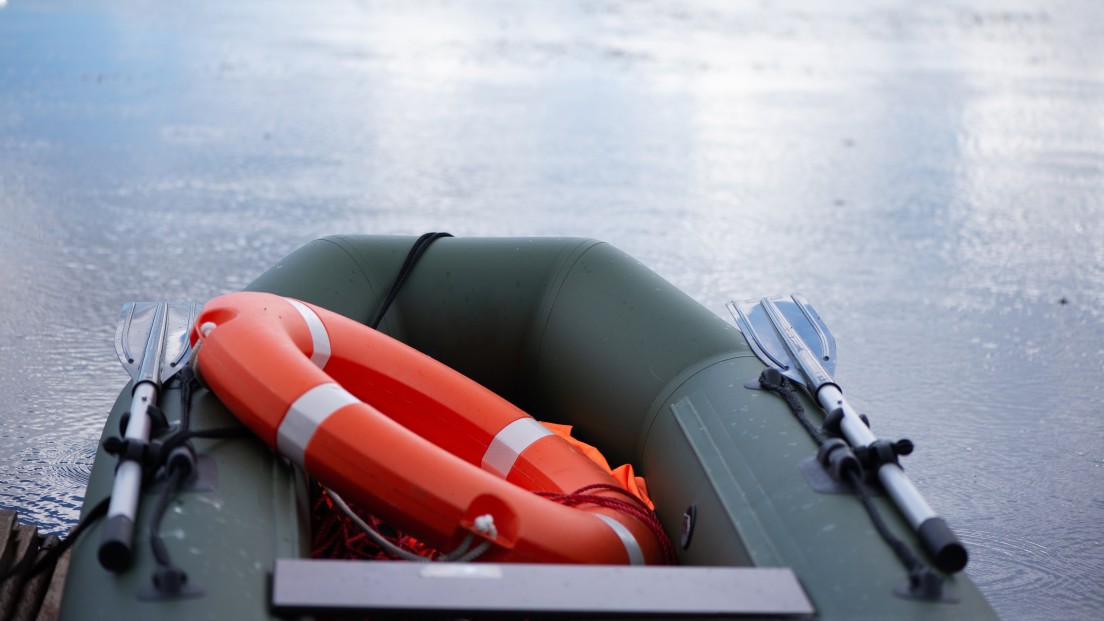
788,334
152,343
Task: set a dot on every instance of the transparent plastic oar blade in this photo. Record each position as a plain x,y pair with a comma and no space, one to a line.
753,320
166,324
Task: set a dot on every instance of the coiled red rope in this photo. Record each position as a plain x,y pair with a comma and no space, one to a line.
336,536
633,507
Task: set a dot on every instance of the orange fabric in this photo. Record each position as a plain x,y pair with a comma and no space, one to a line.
623,473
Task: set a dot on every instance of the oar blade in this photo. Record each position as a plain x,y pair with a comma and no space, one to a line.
810,327
754,322
180,316
139,324
133,332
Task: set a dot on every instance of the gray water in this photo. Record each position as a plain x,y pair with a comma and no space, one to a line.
930,175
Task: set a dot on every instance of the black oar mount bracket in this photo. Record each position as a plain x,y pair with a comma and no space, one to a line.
158,421
146,453
881,452
836,454
838,458
834,419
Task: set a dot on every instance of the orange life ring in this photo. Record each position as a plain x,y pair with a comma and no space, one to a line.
416,442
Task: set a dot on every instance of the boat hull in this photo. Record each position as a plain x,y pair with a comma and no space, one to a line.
572,331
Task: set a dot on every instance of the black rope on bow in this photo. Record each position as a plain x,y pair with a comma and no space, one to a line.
177,462
416,252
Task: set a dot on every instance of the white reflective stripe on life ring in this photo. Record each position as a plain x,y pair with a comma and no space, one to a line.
320,339
306,415
511,442
632,546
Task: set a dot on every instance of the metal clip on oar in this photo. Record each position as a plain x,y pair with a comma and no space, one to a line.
773,336
152,343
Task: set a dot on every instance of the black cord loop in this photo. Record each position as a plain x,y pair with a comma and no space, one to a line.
416,252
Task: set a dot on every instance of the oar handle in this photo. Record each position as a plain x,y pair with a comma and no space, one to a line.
942,545
117,536
116,545
117,542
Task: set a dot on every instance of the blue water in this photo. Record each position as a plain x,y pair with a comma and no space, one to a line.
930,175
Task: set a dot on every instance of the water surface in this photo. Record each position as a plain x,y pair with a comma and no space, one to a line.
930,175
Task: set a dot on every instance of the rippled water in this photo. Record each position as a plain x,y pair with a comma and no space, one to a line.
930,175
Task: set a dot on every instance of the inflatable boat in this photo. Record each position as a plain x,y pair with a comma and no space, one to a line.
406,377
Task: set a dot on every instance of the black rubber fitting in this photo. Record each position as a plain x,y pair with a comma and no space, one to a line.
837,457
182,459
689,520
116,550
925,584
946,551
883,452
771,376
169,580
832,422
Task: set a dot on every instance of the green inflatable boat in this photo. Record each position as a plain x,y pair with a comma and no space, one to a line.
775,496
